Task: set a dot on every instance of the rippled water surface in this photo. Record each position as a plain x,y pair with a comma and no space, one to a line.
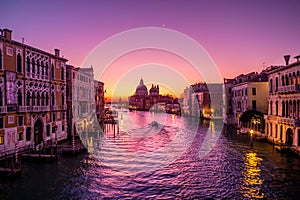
176,157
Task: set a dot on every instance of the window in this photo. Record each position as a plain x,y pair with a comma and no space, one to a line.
28,134
43,69
254,104
271,107
19,63
276,84
246,91
28,65
63,116
1,139
28,99
20,121
20,136
1,122
53,99
20,98
62,74
33,66
52,70
63,128
54,129
253,91
46,69
1,60
53,117
48,130
271,85
276,108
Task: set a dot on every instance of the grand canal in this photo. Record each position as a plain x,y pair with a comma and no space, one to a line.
176,157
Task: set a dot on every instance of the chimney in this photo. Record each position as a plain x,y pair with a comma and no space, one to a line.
7,33
287,59
56,52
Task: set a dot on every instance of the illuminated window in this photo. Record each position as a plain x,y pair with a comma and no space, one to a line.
1,139
20,136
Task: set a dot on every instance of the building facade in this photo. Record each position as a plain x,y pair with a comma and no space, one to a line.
81,99
283,118
246,93
32,96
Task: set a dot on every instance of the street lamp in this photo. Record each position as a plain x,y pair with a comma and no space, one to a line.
251,137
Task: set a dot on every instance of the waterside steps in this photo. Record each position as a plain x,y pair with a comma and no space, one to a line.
10,167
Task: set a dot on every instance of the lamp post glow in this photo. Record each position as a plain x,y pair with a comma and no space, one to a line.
251,137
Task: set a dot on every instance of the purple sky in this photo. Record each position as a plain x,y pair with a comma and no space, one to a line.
239,35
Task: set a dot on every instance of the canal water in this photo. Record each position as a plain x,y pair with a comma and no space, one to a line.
162,156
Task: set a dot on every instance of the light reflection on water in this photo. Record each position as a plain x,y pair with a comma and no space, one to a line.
252,181
165,164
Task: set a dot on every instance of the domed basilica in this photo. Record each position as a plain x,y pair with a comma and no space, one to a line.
142,100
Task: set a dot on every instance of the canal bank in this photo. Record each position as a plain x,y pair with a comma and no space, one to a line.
230,170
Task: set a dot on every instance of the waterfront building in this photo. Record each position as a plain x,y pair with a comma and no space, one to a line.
32,96
283,118
248,103
142,100
99,99
197,100
81,99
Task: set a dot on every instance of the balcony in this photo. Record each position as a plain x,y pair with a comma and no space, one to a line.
289,88
289,121
3,109
23,108
54,108
272,118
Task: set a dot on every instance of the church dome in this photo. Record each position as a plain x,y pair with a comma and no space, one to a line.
141,89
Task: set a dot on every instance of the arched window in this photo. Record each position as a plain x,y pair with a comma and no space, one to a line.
52,71
20,98
52,99
286,109
282,108
276,105
286,80
28,98
47,99
271,108
282,80
19,63
38,98
46,69
33,99
276,84
33,65
43,99
43,70
38,67
28,65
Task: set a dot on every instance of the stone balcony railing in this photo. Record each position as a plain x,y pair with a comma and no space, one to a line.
3,109
289,88
289,121
54,108
33,108
271,117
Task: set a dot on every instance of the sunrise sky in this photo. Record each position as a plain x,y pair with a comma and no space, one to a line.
238,36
